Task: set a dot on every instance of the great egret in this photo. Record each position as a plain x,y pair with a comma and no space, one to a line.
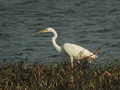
73,51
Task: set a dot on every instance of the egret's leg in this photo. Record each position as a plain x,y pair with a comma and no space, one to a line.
72,78
90,61
71,61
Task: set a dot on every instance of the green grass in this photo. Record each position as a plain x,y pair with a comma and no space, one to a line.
60,76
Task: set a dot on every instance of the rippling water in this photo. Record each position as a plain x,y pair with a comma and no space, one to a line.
90,23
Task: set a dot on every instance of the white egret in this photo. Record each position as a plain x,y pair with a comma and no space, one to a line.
73,51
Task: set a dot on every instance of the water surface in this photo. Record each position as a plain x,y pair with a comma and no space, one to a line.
90,23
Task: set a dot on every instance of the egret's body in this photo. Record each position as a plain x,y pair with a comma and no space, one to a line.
77,51
73,51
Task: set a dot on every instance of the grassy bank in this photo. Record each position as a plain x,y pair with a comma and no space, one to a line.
84,76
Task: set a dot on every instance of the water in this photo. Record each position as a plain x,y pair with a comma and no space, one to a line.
90,23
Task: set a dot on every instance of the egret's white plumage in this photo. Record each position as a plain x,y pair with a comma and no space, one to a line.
73,50
77,51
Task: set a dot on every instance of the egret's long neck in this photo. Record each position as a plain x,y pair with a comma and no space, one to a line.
58,48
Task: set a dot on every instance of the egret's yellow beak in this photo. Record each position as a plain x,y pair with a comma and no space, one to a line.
44,30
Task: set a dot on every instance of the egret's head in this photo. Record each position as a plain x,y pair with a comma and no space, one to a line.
49,29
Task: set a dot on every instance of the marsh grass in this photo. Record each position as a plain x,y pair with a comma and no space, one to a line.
22,76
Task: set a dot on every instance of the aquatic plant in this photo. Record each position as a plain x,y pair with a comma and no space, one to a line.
60,76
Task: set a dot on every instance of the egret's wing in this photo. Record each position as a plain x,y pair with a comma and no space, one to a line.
76,50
